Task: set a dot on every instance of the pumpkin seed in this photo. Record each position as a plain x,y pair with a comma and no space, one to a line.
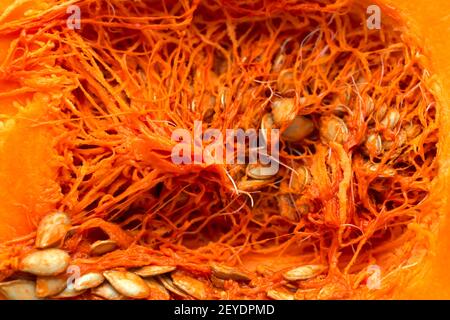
151,271
374,144
299,179
260,172
391,120
412,131
304,272
49,286
333,129
168,284
106,291
52,229
217,282
191,286
300,128
285,81
382,171
101,247
283,111
280,294
47,262
228,273
88,281
158,291
69,292
370,105
19,290
381,112
128,284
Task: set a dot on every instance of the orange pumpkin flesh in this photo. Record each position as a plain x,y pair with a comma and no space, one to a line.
431,25
27,177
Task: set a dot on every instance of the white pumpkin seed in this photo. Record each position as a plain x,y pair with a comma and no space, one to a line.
191,286
304,272
158,291
47,262
88,281
333,129
260,172
217,282
151,271
101,247
391,119
69,292
169,285
49,286
299,179
19,290
283,111
52,229
128,284
106,291
374,144
280,294
228,273
299,129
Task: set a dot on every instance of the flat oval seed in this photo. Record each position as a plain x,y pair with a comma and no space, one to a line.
52,229
48,262
333,129
228,273
299,179
168,284
217,282
101,247
19,290
299,129
260,172
88,281
191,286
151,271
49,286
158,291
374,144
280,294
128,284
304,272
391,119
283,110
69,292
106,291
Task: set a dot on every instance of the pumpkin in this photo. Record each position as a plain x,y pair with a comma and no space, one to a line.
28,170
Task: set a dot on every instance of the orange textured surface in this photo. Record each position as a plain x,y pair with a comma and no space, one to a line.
24,150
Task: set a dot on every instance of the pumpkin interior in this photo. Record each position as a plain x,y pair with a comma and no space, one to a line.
54,179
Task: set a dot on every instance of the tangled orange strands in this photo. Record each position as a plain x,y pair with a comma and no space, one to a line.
116,89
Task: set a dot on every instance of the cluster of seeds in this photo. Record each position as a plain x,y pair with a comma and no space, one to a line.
50,266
